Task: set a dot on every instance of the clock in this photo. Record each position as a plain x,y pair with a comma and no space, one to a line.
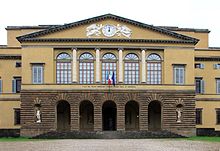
109,30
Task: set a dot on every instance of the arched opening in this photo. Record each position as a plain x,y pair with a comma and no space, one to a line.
109,113
63,116
86,116
63,68
154,116
131,116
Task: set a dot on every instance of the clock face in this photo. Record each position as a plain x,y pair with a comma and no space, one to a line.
109,30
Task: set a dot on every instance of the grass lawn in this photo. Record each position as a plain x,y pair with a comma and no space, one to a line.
204,138
18,139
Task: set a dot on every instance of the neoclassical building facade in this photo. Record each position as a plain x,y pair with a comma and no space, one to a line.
108,73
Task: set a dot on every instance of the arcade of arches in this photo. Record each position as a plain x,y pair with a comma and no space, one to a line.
109,116
136,111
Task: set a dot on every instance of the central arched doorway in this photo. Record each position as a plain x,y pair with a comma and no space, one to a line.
131,116
154,116
109,113
63,116
86,116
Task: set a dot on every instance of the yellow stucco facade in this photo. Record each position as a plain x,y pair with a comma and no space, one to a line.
40,45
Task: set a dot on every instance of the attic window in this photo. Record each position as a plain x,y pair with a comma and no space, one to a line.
199,65
18,64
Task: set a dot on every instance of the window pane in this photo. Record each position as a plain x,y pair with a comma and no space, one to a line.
131,71
64,72
37,74
179,74
153,73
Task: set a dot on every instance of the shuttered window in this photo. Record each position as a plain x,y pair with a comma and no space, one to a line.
179,74
0,85
200,85
37,74
218,86
16,85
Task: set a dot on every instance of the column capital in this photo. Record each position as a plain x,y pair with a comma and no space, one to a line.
74,48
120,49
143,49
97,48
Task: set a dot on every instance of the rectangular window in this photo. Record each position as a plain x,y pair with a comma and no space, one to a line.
199,116
179,74
218,85
131,73
154,72
18,64
37,73
199,65
200,85
64,72
217,115
216,66
0,86
16,85
17,117
107,69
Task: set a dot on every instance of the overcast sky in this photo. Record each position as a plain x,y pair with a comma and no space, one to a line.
186,13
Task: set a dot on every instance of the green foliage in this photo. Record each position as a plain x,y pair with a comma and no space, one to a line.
204,138
17,139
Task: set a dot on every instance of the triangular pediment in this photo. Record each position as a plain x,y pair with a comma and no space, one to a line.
107,28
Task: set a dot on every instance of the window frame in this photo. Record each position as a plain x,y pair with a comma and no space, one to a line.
1,86
86,68
217,111
15,85
154,69
217,85
17,116
110,63
201,89
199,66
41,67
131,73
180,67
63,68
199,120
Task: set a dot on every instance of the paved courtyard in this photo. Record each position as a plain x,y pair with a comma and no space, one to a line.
110,145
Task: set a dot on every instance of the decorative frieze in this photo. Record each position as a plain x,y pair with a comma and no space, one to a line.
108,30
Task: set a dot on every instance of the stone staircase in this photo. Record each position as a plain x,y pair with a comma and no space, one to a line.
108,135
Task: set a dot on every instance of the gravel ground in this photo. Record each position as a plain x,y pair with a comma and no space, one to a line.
110,145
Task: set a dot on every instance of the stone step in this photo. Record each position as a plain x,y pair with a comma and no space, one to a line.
108,135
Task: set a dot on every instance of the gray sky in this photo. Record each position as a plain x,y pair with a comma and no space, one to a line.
185,13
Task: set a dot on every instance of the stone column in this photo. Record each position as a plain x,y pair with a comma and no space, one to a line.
120,116
74,69
143,116
143,64
120,66
98,116
75,115
97,65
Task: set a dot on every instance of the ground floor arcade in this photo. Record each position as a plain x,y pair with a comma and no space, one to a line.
107,111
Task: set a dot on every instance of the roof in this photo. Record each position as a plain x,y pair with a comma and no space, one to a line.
52,29
29,27
208,49
174,28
